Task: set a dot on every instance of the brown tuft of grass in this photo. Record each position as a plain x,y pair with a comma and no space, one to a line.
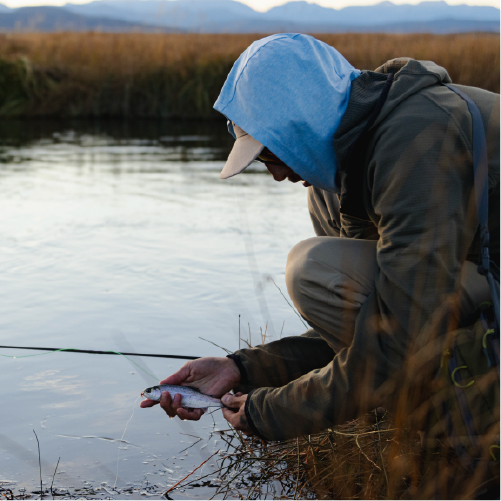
380,455
367,458
178,75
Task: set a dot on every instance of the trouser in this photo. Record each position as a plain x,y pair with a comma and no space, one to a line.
329,278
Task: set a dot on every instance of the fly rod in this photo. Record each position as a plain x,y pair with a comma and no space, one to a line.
98,352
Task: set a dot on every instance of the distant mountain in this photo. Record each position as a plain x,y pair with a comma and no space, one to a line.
52,19
439,27
190,15
382,13
229,16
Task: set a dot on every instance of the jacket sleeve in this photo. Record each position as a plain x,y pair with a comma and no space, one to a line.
419,180
279,362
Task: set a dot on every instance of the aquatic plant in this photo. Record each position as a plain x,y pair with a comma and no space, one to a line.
180,75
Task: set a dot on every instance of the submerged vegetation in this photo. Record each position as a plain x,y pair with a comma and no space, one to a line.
178,75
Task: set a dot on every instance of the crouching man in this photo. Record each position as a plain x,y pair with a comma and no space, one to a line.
387,159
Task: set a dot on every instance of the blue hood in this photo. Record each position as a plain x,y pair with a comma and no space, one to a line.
289,92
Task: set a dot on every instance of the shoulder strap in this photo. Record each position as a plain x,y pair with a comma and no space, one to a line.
481,186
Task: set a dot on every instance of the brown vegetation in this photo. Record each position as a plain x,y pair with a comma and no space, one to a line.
367,458
400,453
177,75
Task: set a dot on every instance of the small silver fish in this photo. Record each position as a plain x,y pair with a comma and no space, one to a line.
192,397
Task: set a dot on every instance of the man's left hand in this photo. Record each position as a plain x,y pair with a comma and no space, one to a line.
236,415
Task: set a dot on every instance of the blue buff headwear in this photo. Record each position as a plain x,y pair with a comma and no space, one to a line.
288,93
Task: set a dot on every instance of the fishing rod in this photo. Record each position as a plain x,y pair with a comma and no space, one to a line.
99,352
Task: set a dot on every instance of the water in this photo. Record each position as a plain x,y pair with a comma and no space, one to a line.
122,237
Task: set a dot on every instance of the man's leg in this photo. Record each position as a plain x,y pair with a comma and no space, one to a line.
328,280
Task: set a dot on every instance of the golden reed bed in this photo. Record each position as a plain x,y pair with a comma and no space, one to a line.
178,75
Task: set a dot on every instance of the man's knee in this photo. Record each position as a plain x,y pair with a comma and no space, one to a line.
301,260
334,265
295,269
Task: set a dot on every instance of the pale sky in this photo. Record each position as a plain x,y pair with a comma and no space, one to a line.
264,5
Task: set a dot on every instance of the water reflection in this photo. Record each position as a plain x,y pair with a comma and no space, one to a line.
121,236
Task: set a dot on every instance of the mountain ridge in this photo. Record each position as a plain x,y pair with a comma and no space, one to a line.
52,18
386,12
230,16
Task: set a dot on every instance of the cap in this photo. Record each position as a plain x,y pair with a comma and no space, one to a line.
245,150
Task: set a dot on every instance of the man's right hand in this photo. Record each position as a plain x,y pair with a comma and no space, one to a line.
211,375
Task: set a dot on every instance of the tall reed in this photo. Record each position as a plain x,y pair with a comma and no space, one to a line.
178,75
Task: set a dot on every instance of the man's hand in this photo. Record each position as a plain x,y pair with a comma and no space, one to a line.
236,415
211,375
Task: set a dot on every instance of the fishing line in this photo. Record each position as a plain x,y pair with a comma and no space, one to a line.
123,435
74,350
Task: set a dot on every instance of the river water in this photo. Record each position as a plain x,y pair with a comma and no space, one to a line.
121,236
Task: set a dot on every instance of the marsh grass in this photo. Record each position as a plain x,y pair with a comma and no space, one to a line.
178,75
345,462
380,455
367,458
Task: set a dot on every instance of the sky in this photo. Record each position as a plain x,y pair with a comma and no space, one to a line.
264,5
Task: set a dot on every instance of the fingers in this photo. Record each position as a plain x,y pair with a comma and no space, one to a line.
233,407
234,413
238,420
229,415
148,403
233,401
172,406
193,415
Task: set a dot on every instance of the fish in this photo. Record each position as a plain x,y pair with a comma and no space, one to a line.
191,397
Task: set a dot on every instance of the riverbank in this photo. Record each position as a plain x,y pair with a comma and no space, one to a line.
180,76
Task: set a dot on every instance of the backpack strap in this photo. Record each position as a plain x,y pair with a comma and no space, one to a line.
481,185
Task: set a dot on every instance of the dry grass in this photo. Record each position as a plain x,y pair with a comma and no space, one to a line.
367,458
175,75
361,460
381,455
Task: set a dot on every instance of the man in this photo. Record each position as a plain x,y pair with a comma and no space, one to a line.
387,156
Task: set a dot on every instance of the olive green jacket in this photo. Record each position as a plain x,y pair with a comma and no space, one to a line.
418,195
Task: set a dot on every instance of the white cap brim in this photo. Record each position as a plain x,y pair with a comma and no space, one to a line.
245,150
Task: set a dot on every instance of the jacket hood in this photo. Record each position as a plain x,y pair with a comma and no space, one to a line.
410,77
290,92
